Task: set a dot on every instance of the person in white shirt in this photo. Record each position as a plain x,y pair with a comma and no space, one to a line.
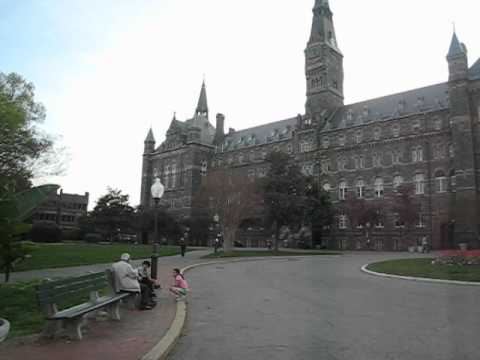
126,280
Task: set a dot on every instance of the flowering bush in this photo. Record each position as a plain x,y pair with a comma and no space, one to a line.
454,257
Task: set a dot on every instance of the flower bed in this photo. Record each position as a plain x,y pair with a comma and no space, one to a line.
458,257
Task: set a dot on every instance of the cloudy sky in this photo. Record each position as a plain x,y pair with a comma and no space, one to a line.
107,70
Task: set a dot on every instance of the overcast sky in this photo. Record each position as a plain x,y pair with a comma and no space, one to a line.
107,70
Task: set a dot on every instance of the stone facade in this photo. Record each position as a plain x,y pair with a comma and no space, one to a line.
63,209
427,137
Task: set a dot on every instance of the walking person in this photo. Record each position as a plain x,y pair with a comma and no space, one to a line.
425,248
216,244
180,286
183,246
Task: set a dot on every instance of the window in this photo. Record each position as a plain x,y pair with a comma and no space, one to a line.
252,156
325,166
398,223
342,221
204,168
451,150
341,140
305,146
379,224
261,173
437,124
396,130
377,134
376,160
360,189
325,142
168,173
397,182
419,181
416,126
453,180
342,190
264,155
174,175
441,182
438,151
417,154
251,175
241,158
378,187
396,157
358,137
350,115
420,223
342,164
307,169
289,148
359,162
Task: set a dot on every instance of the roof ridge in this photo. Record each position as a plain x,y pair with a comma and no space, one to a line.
263,125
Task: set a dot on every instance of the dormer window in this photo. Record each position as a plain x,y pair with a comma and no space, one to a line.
377,134
350,115
307,121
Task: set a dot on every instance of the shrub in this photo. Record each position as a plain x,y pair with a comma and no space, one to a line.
72,234
93,238
46,232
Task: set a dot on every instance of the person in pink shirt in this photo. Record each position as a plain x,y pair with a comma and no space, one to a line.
180,288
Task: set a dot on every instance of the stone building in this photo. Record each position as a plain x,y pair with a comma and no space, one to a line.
427,137
63,209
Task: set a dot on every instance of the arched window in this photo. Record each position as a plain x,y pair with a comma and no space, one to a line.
397,182
378,187
342,190
360,186
441,182
419,181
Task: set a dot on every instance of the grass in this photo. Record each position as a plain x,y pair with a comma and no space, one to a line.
424,268
18,305
253,253
45,256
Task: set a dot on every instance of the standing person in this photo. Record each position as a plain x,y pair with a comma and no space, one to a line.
127,280
183,246
180,287
216,244
424,244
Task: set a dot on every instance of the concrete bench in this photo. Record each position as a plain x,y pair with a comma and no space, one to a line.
51,295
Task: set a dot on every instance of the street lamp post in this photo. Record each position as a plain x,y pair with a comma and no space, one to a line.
216,219
367,226
157,191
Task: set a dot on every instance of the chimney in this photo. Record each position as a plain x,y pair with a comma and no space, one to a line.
220,129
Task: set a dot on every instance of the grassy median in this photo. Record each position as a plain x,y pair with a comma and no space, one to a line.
424,268
253,253
46,256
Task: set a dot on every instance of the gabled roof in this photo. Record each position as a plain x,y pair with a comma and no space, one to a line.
262,134
474,72
434,97
456,48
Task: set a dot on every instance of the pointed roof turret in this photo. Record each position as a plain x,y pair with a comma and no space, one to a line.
323,30
150,138
202,107
456,48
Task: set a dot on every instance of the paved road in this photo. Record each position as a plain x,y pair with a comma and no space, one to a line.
325,308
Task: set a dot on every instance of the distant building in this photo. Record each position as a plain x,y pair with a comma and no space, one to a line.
63,209
427,137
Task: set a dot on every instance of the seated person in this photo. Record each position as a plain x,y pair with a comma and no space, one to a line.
126,280
180,287
145,277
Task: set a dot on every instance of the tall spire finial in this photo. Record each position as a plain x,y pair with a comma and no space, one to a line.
202,107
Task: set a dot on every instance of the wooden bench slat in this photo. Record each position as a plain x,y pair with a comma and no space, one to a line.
85,308
101,283
82,278
65,295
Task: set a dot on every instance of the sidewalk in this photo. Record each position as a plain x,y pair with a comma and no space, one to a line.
129,339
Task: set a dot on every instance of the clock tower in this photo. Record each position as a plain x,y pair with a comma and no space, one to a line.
323,64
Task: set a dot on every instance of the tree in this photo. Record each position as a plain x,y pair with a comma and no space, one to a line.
233,197
291,198
143,221
15,208
24,150
112,214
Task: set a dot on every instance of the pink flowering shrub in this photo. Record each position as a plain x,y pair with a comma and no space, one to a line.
458,257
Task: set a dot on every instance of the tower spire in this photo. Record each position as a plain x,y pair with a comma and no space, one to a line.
202,107
323,30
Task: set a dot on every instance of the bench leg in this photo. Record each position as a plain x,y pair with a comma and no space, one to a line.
132,302
114,311
52,328
73,328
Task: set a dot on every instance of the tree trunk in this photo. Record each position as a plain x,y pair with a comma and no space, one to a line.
228,240
7,273
277,236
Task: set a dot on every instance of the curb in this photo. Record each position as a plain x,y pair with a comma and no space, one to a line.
168,341
419,279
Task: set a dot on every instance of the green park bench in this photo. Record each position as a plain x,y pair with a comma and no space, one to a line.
76,297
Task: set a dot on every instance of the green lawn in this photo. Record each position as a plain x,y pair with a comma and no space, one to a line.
424,268
47,256
18,305
253,253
